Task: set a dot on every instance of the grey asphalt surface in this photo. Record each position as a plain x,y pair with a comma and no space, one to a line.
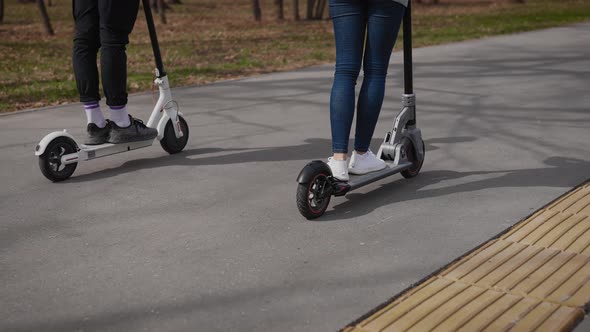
211,239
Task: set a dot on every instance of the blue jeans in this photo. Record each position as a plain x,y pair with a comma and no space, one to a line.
379,21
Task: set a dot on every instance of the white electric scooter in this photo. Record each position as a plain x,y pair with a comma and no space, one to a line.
59,153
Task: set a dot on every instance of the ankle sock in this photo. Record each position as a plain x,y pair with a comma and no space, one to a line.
120,116
94,114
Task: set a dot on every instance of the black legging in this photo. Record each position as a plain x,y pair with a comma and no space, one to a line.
104,24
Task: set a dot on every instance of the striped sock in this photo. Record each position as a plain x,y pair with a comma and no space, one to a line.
94,114
120,116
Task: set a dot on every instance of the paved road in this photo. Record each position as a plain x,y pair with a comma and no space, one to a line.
211,239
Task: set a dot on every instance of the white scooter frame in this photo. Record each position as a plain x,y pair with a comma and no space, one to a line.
59,152
164,110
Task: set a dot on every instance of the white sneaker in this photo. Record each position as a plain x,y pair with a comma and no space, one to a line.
339,168
365,163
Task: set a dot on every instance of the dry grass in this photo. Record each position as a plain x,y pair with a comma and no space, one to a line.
209,40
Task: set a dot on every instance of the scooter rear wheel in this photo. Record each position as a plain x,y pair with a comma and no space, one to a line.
50,161
411,155
170,143
313,197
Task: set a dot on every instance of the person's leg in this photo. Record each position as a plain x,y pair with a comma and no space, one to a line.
349,20
117,19
86,45
384,20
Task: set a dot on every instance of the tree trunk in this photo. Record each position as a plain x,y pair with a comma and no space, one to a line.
162,11
256,10
156,5
321,6
315,9
295,10
310,4
1,11
45,17
280,11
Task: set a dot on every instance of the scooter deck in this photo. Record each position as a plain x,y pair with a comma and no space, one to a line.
88,152
357,181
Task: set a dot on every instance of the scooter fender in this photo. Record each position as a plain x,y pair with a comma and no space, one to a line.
40,148
162,124
311,169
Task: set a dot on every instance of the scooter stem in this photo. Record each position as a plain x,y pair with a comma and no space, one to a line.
153,37
408,75
409,99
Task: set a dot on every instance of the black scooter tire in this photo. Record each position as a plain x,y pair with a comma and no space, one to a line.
169,142
49,161
308,205
411,153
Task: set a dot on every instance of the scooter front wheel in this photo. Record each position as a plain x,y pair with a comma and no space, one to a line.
412,157
170,143
50,161
313,197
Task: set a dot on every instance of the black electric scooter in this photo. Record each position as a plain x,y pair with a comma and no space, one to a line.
402,150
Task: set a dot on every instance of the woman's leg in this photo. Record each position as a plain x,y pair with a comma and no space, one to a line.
349,19
384,20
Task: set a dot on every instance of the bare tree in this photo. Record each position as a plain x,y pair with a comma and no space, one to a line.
45,17
296,10
162,11
319,9
280,11
256,10
315,9
156,7
436,2
1,11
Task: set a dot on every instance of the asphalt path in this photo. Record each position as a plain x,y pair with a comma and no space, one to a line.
211,239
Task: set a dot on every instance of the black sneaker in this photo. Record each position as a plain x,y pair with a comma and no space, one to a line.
136,131
96,135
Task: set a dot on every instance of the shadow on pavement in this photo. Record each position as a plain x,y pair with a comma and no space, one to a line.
127,318
428,184
558,173
314,148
